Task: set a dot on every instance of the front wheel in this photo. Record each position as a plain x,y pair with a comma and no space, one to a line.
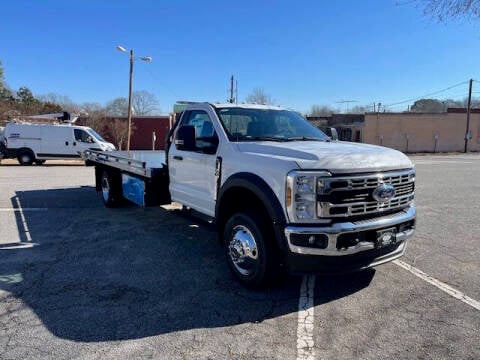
26,157
3,150
250,252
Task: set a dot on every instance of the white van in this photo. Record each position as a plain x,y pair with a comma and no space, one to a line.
29,142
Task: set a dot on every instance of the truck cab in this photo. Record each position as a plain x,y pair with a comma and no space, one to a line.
283,195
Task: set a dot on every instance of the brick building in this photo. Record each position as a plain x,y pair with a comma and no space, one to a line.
408,131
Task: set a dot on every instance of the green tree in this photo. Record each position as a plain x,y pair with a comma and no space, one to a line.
27,103
49,107
2,76
428,106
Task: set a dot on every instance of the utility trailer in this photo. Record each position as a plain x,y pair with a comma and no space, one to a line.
138,176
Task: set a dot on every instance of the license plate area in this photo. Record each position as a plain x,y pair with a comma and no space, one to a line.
386,237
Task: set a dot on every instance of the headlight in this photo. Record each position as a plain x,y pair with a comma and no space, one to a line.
301,194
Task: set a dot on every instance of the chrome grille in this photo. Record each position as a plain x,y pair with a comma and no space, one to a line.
353,195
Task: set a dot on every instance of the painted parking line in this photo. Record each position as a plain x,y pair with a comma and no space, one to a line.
305,343
18,245
22,209
442,286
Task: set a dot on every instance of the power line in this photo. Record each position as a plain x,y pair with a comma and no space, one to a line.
162,85
426,95
346,102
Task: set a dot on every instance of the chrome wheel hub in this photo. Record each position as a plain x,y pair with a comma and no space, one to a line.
243,250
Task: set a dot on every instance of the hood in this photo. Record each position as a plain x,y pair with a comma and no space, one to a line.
106,146
334,156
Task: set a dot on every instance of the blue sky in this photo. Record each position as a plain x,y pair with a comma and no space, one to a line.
300,52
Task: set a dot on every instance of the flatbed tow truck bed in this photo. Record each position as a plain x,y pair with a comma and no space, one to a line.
139,176
140,162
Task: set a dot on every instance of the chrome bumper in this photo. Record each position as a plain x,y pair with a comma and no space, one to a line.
333,231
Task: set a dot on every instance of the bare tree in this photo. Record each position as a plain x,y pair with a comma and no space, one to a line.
118,129
144,103
63,101
117,107
259,96
321,110
94,115
360,109
444,10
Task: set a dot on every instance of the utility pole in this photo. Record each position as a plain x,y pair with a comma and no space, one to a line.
467,131
232,100
130,88
236,92
130,95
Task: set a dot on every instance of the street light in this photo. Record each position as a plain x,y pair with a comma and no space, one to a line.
130,88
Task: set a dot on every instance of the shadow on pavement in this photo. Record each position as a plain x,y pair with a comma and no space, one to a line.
102,274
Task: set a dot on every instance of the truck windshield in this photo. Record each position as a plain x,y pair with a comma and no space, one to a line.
243,124
96,135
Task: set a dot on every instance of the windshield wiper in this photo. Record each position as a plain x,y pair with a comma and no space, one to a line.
261,138
304,138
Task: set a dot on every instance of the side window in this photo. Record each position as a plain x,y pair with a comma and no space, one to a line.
82,136
206,139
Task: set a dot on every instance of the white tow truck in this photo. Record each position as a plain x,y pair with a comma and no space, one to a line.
282,194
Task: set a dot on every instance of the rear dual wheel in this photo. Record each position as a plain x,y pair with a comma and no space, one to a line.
111,189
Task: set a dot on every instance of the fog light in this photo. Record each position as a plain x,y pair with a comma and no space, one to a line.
319,241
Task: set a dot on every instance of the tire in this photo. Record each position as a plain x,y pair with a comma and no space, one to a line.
249,249
26,157
2,150
39,162
111,189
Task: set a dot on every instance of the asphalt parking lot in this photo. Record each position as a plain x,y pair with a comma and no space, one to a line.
78,280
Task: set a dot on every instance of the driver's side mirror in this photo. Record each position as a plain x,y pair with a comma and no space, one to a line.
331,132
185,138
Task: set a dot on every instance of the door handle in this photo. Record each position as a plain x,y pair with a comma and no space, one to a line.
74,143
66,143
176,157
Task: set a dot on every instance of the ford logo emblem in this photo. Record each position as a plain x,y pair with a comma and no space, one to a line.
383,193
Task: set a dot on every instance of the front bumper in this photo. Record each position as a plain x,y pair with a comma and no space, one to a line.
337,257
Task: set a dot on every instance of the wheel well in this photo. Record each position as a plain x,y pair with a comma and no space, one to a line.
237,199
25,150
99,170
